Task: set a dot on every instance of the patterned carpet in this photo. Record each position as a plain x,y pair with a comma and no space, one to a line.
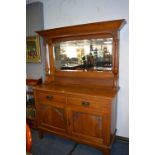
52,145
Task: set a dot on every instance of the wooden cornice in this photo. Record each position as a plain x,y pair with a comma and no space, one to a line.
84,29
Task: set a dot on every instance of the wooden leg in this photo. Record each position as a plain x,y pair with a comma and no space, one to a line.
114,140
41,134
106,152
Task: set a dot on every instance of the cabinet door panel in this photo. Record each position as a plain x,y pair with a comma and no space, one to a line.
51,117
89,126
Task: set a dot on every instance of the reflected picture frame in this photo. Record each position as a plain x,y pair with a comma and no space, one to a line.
33,49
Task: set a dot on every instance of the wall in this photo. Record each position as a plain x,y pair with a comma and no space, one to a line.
34,22
59,13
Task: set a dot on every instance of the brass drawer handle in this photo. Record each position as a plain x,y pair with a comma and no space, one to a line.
49,97
84,103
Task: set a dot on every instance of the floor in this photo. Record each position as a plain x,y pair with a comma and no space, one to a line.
53,145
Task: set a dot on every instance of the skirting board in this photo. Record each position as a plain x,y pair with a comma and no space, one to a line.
123,139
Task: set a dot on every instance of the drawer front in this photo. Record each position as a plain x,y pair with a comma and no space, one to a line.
87,103
45,97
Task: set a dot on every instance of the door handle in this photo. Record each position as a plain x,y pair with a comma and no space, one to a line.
49,97
84,103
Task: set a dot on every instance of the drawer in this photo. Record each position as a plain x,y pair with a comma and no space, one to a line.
87,103
45,97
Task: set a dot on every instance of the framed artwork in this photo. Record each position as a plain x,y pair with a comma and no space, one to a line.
33,49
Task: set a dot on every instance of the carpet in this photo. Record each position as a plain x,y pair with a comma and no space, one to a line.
53,145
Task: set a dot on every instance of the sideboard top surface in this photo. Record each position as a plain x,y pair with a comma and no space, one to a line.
78,90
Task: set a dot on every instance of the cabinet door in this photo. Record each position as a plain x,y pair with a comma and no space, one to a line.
86,124
51,117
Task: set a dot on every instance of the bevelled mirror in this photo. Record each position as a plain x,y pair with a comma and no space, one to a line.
87,54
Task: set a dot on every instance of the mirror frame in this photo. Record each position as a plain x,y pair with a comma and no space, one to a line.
83,38
78,32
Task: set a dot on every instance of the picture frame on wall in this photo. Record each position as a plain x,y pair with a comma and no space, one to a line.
33,49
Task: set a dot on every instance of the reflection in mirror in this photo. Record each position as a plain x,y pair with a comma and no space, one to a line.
89,55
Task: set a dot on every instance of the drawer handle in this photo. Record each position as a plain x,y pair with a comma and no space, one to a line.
49,97
84,103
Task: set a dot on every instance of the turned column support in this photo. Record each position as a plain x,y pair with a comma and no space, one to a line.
49,67
116,55
116,59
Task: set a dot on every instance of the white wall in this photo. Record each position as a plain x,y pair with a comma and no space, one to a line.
59,13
